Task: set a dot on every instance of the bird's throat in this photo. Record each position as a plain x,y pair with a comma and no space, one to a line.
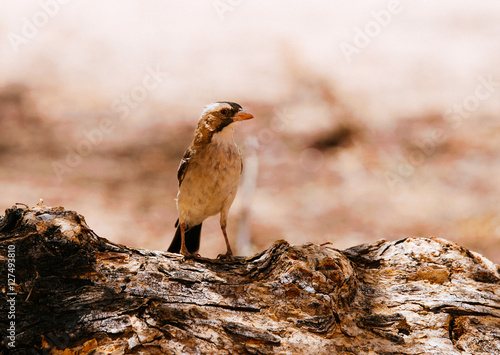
224,137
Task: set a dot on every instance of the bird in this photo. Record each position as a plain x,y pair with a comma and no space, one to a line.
208,176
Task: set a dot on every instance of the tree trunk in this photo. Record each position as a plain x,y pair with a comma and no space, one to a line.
65,288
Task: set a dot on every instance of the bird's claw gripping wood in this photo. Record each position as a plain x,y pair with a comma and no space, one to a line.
226,257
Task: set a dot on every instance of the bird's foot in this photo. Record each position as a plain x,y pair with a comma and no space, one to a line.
189,255
226,257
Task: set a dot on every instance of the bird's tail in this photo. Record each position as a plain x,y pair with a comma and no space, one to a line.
192,236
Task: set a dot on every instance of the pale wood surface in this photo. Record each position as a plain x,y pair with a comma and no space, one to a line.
79,292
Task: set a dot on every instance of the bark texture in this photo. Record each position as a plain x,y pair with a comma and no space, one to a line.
77,293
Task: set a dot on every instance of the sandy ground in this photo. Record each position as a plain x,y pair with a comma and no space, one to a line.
373,120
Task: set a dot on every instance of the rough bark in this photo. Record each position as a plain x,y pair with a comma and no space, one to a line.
77,292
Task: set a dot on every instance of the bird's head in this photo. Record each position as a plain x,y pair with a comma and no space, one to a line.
220,117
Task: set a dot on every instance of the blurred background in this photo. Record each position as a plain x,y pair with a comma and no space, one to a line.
373,119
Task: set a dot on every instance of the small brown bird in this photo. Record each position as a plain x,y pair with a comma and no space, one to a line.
208,176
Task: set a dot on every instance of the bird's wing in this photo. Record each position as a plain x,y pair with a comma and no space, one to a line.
183,166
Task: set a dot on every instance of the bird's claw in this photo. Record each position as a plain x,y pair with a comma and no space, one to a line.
187,255
226,257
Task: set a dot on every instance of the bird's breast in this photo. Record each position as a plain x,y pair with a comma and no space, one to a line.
211,180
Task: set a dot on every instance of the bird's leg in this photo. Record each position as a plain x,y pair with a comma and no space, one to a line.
184,250
229,252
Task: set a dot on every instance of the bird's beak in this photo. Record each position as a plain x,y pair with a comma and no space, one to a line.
242,115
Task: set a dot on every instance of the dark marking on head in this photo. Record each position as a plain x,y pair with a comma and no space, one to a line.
227,114
234,106
223,124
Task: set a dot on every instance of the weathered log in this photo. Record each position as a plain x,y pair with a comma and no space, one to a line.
77,292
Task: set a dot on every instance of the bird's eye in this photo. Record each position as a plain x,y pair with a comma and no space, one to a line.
224,111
